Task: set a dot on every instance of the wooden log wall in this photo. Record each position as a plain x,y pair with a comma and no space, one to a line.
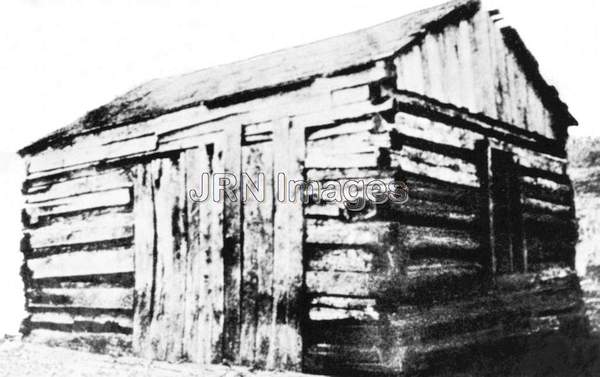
79,252
359,263
368,314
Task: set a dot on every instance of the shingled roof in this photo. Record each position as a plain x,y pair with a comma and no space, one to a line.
284,67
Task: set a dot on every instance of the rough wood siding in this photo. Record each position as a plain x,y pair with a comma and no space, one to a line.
179,267
257,278
469,65
167,322
359,264
549,221
204,286
80,258
272,248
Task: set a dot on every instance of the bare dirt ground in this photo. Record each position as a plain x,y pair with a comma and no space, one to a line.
22,359
553,358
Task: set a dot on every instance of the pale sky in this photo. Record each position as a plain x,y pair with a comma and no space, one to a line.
59,59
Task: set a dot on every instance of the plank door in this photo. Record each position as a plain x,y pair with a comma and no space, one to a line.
178,263
272,264
507,233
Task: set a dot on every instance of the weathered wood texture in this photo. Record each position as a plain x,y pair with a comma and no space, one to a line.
80,256
257,277
469,65
272,247
346,335
364,268
179,268
167,323
119,253
285,350
232,247
204,274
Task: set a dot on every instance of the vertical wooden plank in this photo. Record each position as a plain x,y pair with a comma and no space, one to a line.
257,276
521,97
499,59
232,247
168,316
465,55
488,260
285,351
482,65
513,89
451,67
400,79
212,235
145,247
196,291
412,66
432,67
204,280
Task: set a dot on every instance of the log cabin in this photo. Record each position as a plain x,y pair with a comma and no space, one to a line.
118,258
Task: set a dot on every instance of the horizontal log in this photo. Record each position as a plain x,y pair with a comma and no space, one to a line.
376,232
344,309
338,232
81,182
550,225
348,331
69,231
351,94
99,297
110,198
328,314
536,160
255,139
325,209
326,174
82,263
555,278
434,165
425,188
437,132
419,275
121,280
85,322
545,189
190,138
258,128
340,302
340,259
342,359
428,212
356,142
366,158
430,269
334,130
72,155
105,343
357,284
545,207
